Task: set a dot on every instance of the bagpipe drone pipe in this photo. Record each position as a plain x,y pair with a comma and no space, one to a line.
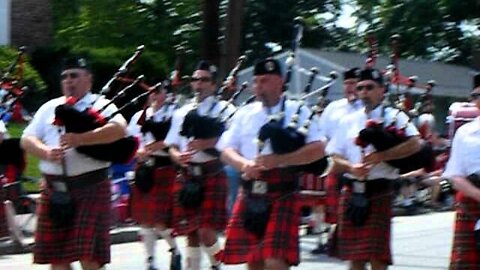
286,139
384,137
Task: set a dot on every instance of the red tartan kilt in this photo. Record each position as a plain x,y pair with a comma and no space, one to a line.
332,198
3,218
370,241
87,239
281,239
212,213
464,253
311,182
155,207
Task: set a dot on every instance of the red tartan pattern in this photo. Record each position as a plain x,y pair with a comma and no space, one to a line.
332,198
464,254
370,241
87,239
155,207
281,239
3,218
212,213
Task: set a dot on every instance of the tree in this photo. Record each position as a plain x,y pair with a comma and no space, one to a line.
429,28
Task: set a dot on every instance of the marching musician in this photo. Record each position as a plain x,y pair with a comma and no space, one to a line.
152,197
463,168
267,177
200,207
329,121
363,229
74,208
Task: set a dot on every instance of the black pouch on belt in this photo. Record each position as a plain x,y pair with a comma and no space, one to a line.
358,207
144,177
192,193
61,209
256,214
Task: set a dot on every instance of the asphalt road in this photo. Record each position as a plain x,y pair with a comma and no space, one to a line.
421,242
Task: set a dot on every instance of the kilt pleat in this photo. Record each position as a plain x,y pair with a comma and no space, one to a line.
212,213
332,198
3,218
464,254
370,241
281,239
87,239
155,207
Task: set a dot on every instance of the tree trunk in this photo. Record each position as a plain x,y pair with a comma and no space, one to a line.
210,49
233,36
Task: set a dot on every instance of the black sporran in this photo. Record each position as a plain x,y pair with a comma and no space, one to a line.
256,214
192,193
61,209
358,209
144,177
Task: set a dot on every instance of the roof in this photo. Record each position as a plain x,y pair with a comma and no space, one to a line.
452,80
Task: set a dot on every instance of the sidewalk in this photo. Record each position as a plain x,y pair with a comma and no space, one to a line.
118,235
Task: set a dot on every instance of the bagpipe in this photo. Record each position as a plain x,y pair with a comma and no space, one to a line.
211,125
384,136
291,137
10,81
76,121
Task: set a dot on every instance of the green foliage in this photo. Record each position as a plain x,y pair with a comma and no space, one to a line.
429,28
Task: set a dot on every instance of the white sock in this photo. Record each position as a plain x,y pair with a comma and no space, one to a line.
194,257
149,238
167,235
211,252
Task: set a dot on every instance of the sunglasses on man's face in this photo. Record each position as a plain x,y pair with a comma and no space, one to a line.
202,79
475,96
368,87
71,75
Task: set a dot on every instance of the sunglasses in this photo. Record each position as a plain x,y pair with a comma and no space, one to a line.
475,96
202,79
72,75
368,87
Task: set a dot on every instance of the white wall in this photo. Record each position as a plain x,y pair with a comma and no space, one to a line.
5,19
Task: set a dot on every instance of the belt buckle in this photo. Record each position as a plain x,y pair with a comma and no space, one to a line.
359,187
150,162
196,170
59,186
259,187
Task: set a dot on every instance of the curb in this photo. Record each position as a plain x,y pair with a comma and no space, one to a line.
118,235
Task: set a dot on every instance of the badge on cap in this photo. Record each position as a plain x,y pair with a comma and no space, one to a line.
269,66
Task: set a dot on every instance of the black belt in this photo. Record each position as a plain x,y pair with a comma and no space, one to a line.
78,181
284,187
162,161
371,186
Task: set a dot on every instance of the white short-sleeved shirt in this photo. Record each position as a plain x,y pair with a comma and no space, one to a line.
210,106
336,110
3,128
343,142
160,115
42,127
465,152
244,129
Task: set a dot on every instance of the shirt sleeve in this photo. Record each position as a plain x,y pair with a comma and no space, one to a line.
133,128
35,127
402,120
454,165
231,138
314,133
336,143
173,135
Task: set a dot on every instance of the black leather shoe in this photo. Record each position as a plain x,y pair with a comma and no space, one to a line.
320,249
215,267
175,260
